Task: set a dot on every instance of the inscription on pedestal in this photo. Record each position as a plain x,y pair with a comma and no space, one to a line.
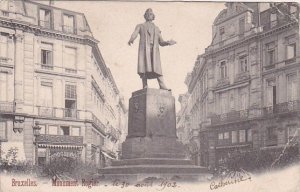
137,118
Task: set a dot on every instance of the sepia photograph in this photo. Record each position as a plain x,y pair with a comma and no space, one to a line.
113,95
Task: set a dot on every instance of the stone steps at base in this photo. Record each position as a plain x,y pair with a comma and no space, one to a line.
154,169
151,161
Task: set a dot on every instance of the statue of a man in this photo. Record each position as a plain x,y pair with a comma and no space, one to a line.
149,66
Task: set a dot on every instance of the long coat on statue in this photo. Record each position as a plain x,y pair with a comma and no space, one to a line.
148,64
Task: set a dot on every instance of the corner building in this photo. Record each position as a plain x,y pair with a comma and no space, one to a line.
53,77
244,90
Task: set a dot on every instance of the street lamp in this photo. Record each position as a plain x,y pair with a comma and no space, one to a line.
36,133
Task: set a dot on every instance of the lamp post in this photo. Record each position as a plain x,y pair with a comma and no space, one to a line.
36,133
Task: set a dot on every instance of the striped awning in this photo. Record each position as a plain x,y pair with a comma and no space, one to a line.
78,147
232,146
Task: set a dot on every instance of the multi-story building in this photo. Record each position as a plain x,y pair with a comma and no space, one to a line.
53,78
244,90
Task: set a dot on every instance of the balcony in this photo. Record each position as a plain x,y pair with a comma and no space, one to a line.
98,123
70,113
269,66
271,141
52,112
69,70
53,68
47,66
46,111
59,139
232,116
289,61
242,76
45,24
223,82
281,108
114,133
7,107
68,29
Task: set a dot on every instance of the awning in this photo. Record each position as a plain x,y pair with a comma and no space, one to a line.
60,146
110,156
19,146
232,146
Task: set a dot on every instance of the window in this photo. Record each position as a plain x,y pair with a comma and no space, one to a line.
43,129
75,131
271,133
243,101
223,69
68,21
291,87
234,136
273,19
42,156
293,11
45,18
270,57
3,45
231,102
70,100
52,130
242,136
69,59
222,33
3,130
249,135
3,87
271,93
223,103
242,25
220,136
226,135
46,94
291,51
243,63
293,132
46,56
64,130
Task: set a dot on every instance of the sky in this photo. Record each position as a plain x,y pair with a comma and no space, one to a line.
112,23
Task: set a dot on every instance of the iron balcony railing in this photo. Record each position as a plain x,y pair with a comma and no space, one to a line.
98,122
59,139
280,108
46,24
272,141
46,111
230,117
70,113
113,132
58,112
47,66
7,107
235,116
68,29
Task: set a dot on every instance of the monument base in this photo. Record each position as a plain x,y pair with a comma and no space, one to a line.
139,169
151,148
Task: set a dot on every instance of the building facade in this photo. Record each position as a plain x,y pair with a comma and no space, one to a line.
57,96
244,90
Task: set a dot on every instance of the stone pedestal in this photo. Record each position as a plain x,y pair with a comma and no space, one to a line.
151,147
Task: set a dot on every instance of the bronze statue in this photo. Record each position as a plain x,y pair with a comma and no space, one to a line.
149,65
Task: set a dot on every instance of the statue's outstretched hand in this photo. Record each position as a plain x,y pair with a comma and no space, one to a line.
171,42
130,42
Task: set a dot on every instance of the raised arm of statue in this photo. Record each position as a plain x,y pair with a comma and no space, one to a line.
134,35
165,43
